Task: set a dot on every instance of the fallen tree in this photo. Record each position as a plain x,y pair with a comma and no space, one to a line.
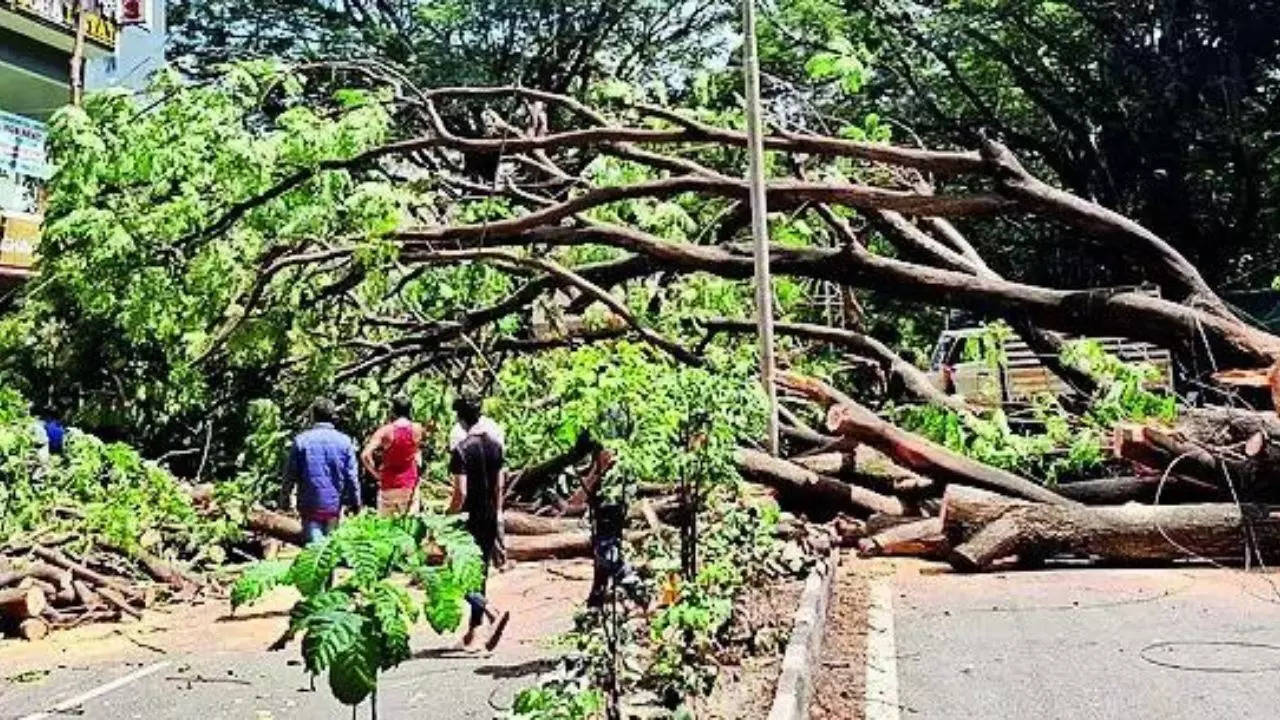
984,528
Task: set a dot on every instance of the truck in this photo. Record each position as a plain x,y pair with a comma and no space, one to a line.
964,363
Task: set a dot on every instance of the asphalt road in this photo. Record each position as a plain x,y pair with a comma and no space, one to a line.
258,686
1174,644
199,664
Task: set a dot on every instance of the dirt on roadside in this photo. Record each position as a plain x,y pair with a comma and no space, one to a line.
746,685
542,598
839,687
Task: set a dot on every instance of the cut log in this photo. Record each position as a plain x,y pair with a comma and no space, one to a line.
990,528
821,497
1118,491
549,547
18,604
867,467
116,600
33,628
48,588
158,569
1170,451
78,569
275,525
515,522
921,538
929,458
61,577
834,464
86,595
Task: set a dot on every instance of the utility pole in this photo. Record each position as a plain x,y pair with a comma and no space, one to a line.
759,217
77,55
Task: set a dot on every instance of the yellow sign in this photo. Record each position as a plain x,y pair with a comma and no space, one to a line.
19,237
98,26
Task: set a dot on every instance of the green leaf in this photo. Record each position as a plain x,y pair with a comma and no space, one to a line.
312,569
354,674
329,635
256,581
443,609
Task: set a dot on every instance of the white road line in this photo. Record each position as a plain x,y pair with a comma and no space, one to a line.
882,654
100,690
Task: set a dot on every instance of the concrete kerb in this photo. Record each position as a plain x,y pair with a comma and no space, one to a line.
804,650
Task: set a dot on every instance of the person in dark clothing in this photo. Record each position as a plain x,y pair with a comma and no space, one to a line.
475,464
322,465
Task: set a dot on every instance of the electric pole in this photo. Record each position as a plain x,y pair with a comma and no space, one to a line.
759,217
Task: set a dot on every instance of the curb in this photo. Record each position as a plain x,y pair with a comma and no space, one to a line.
795,684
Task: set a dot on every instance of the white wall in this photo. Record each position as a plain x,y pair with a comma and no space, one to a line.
139,53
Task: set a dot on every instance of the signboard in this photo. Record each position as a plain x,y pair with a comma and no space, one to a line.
100,25
132,12
22,146
19,236
24,168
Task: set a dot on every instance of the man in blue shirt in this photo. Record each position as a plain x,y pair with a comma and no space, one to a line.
322,464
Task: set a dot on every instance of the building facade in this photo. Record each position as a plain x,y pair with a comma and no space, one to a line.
123,45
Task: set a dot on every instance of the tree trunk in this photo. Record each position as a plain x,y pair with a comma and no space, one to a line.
515,522
86,595
985,528
17,604
930,459
820,497
922,538
276,525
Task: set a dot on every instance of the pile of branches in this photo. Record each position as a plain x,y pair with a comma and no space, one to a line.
49,588
1200,491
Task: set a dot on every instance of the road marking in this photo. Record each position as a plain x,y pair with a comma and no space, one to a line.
100,690
882,654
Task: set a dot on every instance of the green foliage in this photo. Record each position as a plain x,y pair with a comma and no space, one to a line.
1066,445
258,580
557,700
138,302
548,46
1124,389
635,398
353,617
106,492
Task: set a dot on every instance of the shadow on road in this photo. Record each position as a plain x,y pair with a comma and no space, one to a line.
508,672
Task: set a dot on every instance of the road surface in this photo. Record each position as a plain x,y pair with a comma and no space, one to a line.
198,665
1174,644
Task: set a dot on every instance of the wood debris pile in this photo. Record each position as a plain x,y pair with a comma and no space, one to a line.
46,587
1200,491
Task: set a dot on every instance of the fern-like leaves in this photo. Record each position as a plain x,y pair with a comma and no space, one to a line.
258,580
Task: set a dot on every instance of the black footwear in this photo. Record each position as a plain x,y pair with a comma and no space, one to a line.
496,636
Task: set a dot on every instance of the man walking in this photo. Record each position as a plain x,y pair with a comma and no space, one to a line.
399,444
475,463
322,465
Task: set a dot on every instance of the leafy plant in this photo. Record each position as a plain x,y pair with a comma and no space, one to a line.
354,618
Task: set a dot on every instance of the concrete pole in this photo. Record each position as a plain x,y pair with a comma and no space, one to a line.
759,217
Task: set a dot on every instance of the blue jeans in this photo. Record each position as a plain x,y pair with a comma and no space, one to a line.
313,530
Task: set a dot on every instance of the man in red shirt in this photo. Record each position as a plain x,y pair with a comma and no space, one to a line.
398,447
